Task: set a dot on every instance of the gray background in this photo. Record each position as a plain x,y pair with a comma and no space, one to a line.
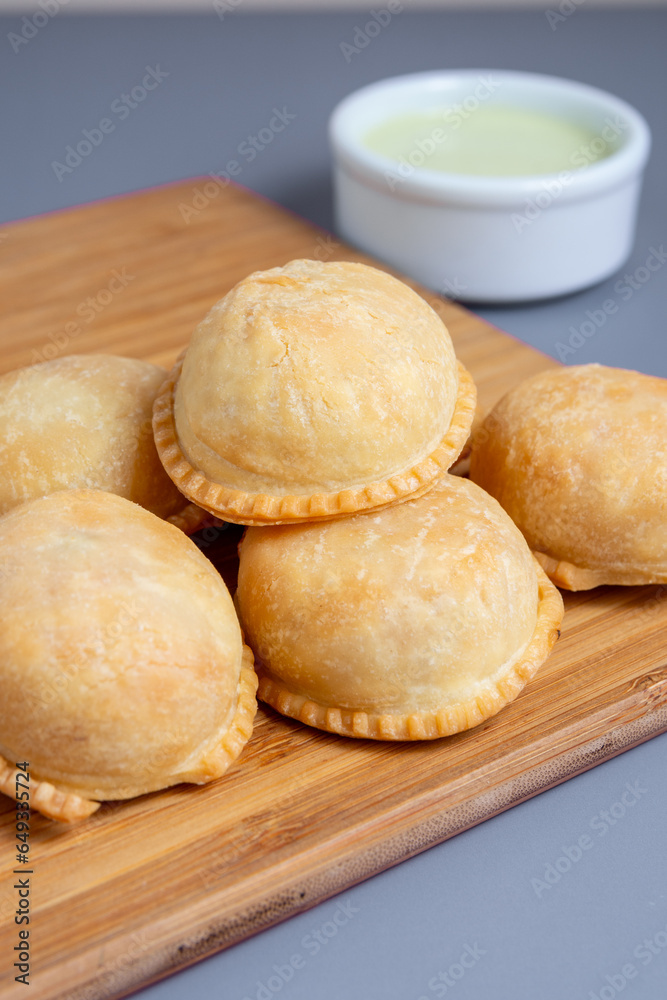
224,79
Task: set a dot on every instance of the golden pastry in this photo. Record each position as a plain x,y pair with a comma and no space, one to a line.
578,459
461,466
122,664
414,622
312,391
83,422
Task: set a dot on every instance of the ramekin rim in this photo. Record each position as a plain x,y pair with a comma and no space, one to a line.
439,187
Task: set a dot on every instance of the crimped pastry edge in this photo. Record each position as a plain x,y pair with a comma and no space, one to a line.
446,721
46,798
224,752
261,508
570,577
190,519
67,806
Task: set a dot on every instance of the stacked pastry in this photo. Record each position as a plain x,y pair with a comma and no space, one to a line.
322,405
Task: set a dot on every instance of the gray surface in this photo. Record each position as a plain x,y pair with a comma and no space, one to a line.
225,78
415,920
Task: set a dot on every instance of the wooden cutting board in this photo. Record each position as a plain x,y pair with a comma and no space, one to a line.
151,885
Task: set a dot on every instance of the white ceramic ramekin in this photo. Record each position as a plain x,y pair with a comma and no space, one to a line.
491,239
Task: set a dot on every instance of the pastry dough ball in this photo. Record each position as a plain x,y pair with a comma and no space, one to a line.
578,459
411,623
121,658
83,421
309,381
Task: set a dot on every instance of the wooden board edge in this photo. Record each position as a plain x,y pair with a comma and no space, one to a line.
451,311
127,965
134,969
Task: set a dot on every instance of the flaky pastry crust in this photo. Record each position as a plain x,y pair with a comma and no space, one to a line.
260,508
578,458
44,798
311,392
414,623
83,421
495,693
122,663
68,807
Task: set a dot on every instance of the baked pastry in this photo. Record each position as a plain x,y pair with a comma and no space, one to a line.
578,459
461,466
122,664
84,421
411,623
312,391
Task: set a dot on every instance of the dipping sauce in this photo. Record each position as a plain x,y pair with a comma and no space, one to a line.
495,140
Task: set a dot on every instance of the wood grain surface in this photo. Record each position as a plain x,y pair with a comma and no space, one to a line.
151,885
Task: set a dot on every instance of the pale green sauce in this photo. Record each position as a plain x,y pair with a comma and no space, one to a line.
494,140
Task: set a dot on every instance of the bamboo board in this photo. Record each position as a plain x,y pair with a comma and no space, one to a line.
151,885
